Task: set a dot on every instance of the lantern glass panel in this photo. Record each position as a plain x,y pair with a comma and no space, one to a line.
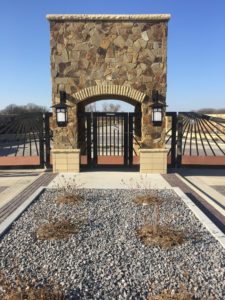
157,115
61,115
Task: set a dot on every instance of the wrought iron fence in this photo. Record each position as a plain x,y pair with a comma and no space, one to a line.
192,139
23,140
200,139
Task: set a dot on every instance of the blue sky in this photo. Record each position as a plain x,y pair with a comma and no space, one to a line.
196,48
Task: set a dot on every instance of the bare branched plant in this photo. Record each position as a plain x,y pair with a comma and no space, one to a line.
25,289
59,229
163,236
168,294
156,218
143,184
152,233
146,192
68,191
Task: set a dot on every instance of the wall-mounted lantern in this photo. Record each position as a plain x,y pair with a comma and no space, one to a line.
61,110
157,109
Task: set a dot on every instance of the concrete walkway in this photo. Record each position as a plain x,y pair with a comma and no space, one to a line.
111,180
12,182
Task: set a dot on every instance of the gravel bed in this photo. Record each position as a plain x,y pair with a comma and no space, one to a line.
106,260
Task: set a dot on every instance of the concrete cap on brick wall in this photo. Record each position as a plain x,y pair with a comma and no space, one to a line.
110,17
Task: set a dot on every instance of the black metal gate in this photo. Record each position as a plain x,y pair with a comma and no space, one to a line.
109,139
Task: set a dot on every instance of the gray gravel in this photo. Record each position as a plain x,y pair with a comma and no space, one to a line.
105,260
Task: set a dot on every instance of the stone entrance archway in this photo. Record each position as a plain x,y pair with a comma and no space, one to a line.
94,56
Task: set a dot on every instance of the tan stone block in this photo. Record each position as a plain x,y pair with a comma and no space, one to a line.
105,43
61,168
61,161
71,155
119,42
59,156
158,160
146,155
75,168
157,167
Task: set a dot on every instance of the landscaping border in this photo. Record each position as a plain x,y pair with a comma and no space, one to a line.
5,225
209,207
201,216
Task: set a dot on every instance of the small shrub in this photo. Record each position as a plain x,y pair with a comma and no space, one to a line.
68,191
181,294
24,290
58,229
69,198
163,237
148,199
34,294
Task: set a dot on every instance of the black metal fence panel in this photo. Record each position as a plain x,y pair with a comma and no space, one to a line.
201,140
23,140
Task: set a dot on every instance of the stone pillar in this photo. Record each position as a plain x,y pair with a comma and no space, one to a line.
103,55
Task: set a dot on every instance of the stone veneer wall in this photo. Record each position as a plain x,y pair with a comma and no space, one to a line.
100,55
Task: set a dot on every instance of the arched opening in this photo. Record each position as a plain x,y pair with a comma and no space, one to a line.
109,131
109,105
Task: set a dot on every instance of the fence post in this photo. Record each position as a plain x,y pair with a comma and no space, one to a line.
47,140
179,140
174,139
41,140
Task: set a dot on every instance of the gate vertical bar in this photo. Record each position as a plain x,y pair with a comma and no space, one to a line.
118,136
102,133
41,140
110,134
47,140
174,140
131,139
106,133
179,140
125,137
114,137
95,140
89,146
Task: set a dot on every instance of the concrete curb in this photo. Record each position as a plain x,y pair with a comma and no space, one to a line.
208,191
210,226
10,219
208,199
